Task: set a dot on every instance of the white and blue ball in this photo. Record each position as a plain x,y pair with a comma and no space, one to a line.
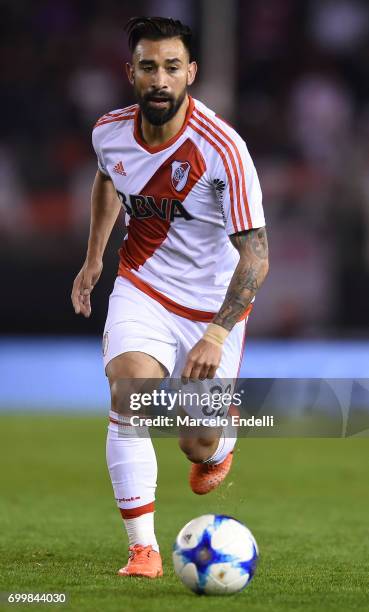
215,554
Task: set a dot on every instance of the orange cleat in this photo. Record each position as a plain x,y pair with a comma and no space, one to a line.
204,477
143,561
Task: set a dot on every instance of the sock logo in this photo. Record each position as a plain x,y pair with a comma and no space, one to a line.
127,499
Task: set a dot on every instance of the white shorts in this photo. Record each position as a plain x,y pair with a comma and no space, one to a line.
137,322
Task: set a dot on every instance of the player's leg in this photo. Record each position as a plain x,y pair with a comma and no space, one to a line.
199,444
137,347
211,452
209,474
132,464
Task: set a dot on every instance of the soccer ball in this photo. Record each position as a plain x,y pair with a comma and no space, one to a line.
215,554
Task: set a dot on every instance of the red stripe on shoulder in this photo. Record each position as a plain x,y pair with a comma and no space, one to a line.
125,118
205,136
239,159
122,115
225,121
215,135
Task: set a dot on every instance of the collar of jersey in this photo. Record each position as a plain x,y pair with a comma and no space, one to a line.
165,145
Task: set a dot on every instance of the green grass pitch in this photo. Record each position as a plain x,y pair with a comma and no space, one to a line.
306,501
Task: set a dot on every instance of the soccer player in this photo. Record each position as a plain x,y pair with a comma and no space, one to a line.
194,256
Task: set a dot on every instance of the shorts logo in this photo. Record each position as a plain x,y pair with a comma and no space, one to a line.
105,343
180,172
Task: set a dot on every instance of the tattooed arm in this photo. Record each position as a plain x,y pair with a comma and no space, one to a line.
248,276
252,268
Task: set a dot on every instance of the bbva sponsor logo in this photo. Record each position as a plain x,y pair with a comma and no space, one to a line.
142,207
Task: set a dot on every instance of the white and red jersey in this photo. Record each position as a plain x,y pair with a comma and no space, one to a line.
182,199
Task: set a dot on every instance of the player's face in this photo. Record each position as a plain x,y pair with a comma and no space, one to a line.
160,74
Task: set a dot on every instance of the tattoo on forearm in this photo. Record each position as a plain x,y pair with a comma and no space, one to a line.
250,273
259,243
250,280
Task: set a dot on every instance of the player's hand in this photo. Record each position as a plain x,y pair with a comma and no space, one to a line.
83,285
202,361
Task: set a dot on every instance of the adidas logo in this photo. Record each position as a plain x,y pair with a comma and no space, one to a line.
119,169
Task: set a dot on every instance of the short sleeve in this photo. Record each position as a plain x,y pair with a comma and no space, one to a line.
237,187
97,148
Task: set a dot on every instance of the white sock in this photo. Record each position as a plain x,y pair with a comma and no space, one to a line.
140,530
227,442
133,471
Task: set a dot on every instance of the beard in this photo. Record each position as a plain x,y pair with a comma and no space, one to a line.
159,116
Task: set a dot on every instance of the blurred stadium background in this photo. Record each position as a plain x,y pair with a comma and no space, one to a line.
290,75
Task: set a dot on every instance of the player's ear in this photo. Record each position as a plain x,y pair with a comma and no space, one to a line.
130,73
191,72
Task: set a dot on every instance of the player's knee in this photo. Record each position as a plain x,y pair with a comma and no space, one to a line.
196,450
116,397
125,395
120,394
